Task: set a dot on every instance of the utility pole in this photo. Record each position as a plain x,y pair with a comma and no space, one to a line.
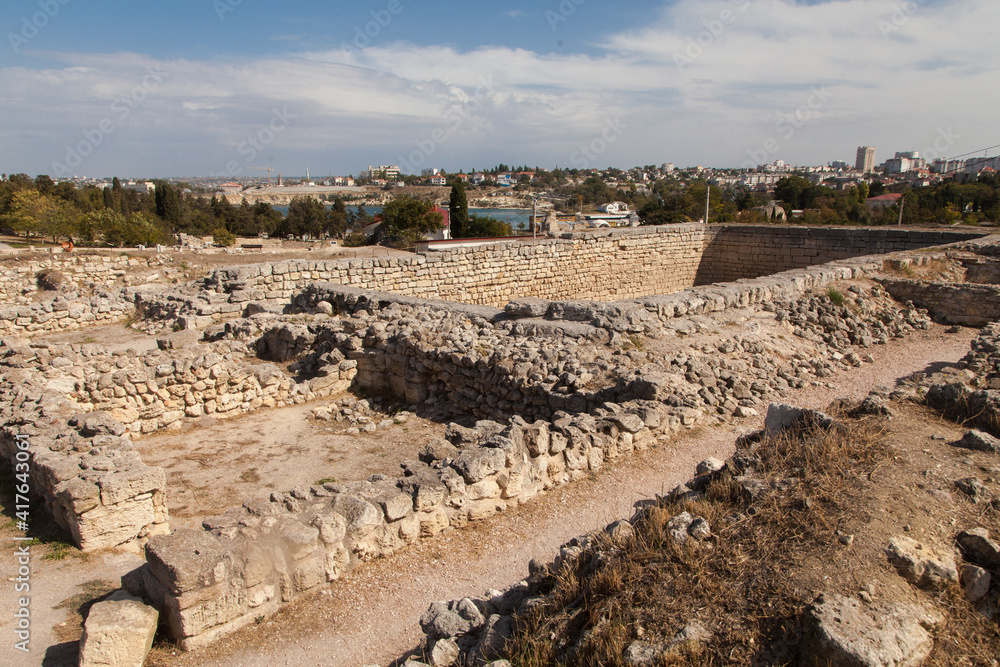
708,200
534,217
902,202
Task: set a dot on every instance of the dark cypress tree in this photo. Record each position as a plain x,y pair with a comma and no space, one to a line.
168,204
458,207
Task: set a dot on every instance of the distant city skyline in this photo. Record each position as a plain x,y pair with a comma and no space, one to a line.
229,87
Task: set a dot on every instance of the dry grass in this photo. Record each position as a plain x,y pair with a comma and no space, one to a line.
749,584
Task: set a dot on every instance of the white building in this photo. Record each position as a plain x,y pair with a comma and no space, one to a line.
614,208
389,172
143,187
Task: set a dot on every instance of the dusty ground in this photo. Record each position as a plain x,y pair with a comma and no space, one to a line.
214,465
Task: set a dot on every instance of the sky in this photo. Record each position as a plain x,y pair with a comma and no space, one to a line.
230,87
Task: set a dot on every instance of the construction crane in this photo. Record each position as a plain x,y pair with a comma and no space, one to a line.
267,169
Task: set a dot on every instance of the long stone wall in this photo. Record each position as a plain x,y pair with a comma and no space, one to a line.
608,265
65,312
81,270
83,467
737,252
258,557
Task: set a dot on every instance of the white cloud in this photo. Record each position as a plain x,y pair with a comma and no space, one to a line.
714,103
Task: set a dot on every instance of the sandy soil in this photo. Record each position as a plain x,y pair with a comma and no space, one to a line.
371,617
214,465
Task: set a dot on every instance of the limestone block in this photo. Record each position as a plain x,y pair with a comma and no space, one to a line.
842,632
433,522
187,560
476,463
922,565
118,633
104,527
122,485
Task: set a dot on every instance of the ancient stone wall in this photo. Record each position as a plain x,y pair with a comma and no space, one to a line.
737,252
967,304
161,388
80,270
608,265
64,313
83,467
255,558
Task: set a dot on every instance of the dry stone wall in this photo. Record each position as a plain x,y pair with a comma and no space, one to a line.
605,265
161,389
966,304
82,465
79,270
66,312
255,558
737,252
78,406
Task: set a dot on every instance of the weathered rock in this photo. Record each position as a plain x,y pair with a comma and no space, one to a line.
186,560
100,423
709,466
980,442
444,653
974,488
527,307
979,548
844,632
922,565
644,654
476,463
494,636
780,416
118,633
976,581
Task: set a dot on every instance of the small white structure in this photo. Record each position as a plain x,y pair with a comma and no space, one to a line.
614,208
142,187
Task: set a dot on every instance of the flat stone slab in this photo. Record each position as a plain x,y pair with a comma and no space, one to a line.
844,632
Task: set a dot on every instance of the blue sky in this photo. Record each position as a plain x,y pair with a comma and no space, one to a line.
199,87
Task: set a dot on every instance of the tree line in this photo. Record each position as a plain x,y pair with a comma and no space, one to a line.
121,217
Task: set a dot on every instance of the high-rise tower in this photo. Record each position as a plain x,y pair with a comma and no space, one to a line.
865,162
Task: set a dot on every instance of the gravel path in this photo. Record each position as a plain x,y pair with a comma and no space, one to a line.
372,617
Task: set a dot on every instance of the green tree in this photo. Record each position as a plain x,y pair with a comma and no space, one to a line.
338,218
484,226
306,216
408,219
121,232
35,213
863,191
223,237
789,191
458,207
44,184
168,204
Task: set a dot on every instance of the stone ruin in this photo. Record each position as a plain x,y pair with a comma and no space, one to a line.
531,353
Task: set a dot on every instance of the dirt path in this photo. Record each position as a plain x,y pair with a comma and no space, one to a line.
372,617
